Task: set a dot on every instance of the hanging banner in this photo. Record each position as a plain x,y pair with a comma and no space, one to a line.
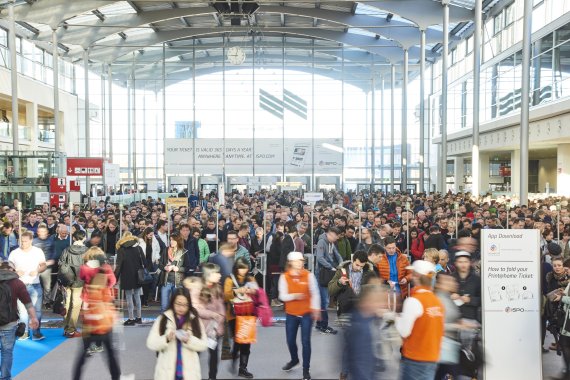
313,197
57,185
85,167
510,270
176,202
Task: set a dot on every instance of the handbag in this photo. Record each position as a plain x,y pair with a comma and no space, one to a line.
262,309
245,329
326,276
449,352
242,305
143,275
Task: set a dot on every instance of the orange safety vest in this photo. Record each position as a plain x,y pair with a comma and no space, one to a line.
298,284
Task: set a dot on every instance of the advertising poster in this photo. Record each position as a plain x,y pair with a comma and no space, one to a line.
510,277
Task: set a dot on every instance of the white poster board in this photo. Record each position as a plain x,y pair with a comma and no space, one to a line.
41,197
312,197
112,174
510,269
75,197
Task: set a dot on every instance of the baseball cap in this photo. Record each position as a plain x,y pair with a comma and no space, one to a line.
295,256
462,254
422,267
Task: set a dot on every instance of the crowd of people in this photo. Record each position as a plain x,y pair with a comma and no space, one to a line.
400,270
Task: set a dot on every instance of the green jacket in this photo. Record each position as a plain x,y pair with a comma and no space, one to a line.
344,248
204,250
335,287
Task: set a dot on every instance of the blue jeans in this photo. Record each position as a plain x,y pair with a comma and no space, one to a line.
36,294
165,293
324,322
7,341
292,324
414,370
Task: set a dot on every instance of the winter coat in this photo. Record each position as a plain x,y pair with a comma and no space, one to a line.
192,257
59,246
401,262
212,314
344,293
130,258
74,256
287,246
471,285
435,241
155,256
165,368
344,248
46,245
417,247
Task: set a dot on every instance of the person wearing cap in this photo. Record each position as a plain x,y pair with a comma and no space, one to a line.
421,325
299,291
468,295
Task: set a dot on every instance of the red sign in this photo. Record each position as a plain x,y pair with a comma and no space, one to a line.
57,185
57,200
74,186
85,167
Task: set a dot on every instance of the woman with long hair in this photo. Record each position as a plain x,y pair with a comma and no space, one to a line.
177,335
239,284
151,250
208,298
130,258
171,265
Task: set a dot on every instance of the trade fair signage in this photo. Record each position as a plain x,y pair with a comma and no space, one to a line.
511,295
57,185
85,167
312,197
240,155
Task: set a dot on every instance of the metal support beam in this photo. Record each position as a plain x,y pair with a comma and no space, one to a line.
445,52
404,142
110,108
14,81
475,164
525,101
392,117
422,108
57,124
86,108
382,146
373,131
134,127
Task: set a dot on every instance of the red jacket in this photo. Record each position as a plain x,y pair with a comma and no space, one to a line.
86,273
402,262
417,247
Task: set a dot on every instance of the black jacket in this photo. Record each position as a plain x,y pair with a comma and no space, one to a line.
130,258
435,241
471,285
192,257
287,246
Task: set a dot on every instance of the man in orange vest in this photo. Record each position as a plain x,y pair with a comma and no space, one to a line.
299,290
421,326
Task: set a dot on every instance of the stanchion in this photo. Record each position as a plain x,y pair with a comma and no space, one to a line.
456,205
19,207
508,207
120,220
359,207
70,223
312,230
217,229
265,242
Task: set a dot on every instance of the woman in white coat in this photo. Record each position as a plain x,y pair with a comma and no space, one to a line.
151,250
177,336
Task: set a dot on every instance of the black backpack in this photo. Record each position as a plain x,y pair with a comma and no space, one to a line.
66,273
8,313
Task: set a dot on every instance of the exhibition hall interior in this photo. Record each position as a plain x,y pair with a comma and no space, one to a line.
131,124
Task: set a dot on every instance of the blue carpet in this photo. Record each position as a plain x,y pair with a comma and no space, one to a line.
27,352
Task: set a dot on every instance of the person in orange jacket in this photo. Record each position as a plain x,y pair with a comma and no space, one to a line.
393,268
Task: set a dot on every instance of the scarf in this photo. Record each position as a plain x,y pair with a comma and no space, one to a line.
393,261
179,368
355,280
562,279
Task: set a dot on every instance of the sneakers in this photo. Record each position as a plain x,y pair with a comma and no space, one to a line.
73,334
129,322
26,336
306,374
290,366
138,321
276,303
38,336
328,330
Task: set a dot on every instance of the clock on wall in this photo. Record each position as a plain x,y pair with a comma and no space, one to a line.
236,55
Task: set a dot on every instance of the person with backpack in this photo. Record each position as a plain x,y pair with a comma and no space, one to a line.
68,276
12,290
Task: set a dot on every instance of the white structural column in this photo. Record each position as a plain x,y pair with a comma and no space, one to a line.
32,126
445,52
458,174
392,115
373,130
404,143
563,170
87,127
110,109
515,168
475,168
525,101
55,55
484,172
421,188
14,78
